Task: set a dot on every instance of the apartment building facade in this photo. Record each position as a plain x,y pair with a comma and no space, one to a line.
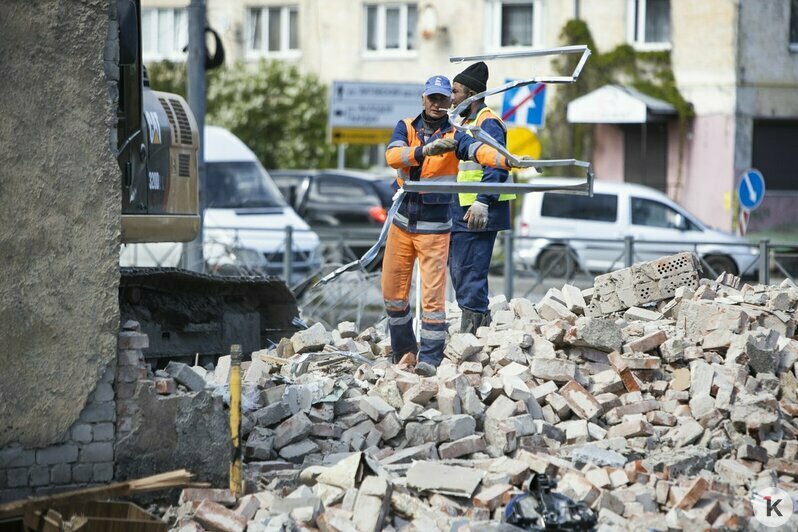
736,61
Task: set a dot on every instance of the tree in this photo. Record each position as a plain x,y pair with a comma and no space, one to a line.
280,113
166,76
648,72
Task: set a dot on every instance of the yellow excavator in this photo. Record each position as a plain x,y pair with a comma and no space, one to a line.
184,313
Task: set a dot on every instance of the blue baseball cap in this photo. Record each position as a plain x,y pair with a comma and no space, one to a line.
438,85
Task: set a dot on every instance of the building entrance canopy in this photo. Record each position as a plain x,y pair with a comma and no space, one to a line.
616,104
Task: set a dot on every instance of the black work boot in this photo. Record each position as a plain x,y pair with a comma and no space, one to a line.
425,369
471,321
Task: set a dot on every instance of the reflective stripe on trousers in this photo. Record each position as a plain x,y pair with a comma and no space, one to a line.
401,251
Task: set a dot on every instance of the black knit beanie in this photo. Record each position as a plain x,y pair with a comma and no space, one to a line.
475,77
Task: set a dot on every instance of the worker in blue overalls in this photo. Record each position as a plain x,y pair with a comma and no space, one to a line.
476,218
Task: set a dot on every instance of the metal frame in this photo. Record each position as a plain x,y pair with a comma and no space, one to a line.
518,162
563,50
584,188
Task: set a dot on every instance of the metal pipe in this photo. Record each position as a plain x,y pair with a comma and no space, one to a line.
236,477
629,250
419,296
480,187
193,257
559,50
288,256
508,264
764,261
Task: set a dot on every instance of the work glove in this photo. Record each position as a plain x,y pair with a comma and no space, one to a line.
477,216
397,194
439,146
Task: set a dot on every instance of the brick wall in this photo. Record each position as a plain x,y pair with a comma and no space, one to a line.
84,457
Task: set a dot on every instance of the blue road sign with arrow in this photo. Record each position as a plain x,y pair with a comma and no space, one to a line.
525,105
751,191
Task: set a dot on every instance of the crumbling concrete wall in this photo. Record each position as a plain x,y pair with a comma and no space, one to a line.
157,431
59,214
180,431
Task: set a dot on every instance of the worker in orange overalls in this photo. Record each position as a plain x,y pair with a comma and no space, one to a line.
426,147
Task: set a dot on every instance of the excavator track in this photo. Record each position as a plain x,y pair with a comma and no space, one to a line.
186,313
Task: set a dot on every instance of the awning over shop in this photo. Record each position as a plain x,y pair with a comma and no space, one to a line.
616,104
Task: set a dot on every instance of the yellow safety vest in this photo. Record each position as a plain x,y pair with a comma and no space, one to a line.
469,171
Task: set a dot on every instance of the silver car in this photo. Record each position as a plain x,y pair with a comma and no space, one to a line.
558,232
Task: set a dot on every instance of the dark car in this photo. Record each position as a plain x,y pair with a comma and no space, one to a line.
345,206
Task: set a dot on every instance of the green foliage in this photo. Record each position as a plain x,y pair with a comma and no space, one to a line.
280,113
167,76
648,72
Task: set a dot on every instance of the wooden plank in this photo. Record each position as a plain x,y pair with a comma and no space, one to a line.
95,517
273,360
171,479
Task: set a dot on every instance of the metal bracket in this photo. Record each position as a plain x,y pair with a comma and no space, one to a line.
584,188
478,133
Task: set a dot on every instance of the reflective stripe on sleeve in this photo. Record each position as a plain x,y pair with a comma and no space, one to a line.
472,150
406,156
467,166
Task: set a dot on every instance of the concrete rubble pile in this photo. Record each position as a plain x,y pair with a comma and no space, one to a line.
660,400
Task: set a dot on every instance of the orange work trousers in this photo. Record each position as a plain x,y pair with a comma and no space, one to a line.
401,251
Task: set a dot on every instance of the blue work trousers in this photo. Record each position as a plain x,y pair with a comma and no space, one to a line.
469,262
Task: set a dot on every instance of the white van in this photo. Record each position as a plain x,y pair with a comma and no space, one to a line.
549,222
245,220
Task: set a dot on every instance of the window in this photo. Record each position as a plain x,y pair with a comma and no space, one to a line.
599,208
645,154
774,153
513,23
233,185
649,24
341,190
273,31
164,34
655,214
794,25
290,186
391,28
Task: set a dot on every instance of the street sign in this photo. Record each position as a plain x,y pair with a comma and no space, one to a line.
525,105
751,190
367,112
353,135
522,141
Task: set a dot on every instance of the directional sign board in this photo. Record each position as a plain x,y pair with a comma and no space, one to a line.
521,141
751,190
525,105
367,112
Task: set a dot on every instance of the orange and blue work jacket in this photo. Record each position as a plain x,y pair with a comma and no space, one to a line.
431,212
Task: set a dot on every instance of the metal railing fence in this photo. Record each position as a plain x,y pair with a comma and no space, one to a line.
763,258
357,296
